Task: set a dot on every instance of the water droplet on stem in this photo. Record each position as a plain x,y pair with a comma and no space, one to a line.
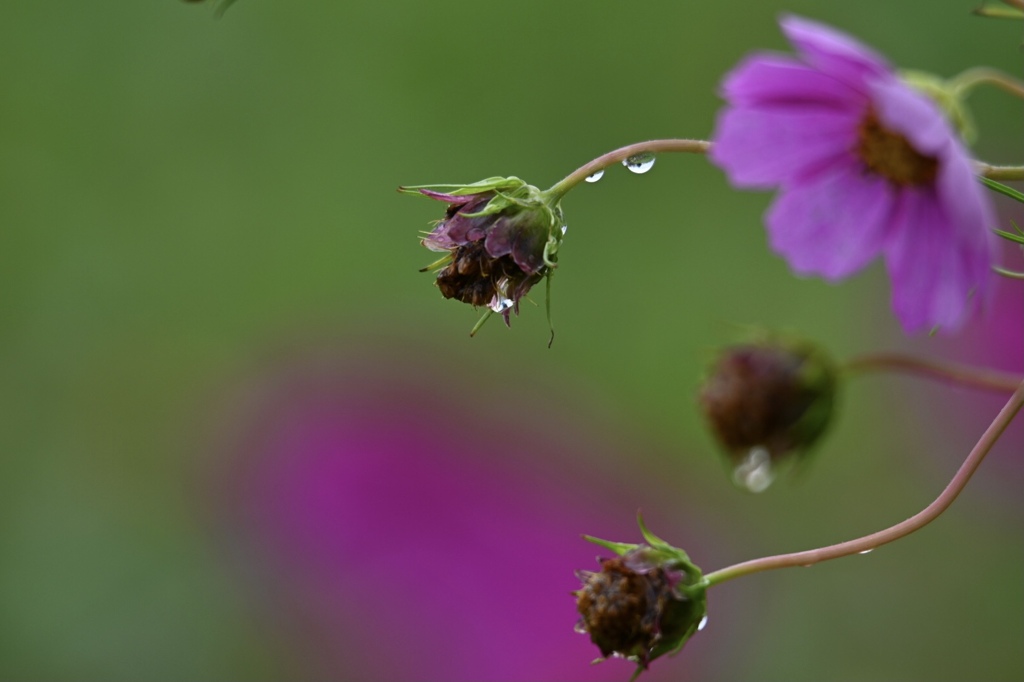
639,163
594,177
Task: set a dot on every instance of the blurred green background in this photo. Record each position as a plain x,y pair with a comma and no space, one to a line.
181,195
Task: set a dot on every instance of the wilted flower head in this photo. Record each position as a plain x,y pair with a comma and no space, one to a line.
766,401
645,602
501,236
866,165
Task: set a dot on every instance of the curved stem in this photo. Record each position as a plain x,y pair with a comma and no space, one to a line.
975,377
559,189
999,172
970,78
900,530
562,187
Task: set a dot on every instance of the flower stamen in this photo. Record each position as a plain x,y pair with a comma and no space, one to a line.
890,154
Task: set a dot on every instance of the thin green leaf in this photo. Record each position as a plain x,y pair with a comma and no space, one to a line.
1010,236
1003,189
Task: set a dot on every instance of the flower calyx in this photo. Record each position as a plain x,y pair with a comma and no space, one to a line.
500,237
767,401
950,98
645,602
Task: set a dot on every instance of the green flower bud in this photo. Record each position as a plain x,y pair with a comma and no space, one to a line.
768,401
645,602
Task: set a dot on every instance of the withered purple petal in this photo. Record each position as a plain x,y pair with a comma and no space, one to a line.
528,250
462,228
500,237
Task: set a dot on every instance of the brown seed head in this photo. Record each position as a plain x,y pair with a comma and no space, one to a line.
628,610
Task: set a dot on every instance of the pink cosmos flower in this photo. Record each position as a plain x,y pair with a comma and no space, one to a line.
865,166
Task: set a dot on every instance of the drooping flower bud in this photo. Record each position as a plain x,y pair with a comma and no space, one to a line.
645,602
501,237
765,402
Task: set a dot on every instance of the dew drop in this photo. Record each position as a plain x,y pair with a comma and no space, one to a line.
639,163
580,627
755,471
499,304
565,228
702,624
867,551
595,176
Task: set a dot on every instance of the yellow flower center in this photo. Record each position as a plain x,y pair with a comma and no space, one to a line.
890,155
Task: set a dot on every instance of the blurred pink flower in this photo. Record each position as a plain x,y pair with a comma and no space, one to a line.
866,166
396,526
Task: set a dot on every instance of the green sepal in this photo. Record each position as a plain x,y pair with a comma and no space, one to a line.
948,98
619,548
508,192
521,195
494,184
665,550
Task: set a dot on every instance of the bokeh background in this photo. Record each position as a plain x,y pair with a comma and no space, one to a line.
244,439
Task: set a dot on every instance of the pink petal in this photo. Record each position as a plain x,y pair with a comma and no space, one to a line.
967,204
774,79
935,274
911,114
833,223
834,52
764,146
